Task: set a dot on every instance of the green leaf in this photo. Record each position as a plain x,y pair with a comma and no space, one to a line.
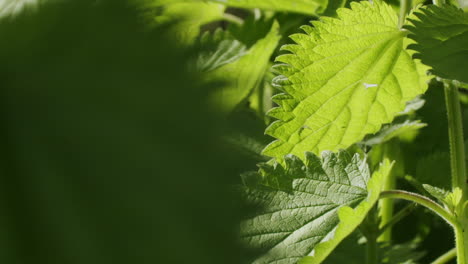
412,106
187,18
218,49
441,35
243,75
14,7
310,7
307,208
343,79
450,199
392,131
436,192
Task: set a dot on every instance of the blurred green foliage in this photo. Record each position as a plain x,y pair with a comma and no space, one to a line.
109,150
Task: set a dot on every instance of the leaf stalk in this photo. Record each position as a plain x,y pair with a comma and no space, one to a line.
457,146
446,257
421,200
458,166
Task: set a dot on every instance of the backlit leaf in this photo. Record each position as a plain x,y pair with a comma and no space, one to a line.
342,80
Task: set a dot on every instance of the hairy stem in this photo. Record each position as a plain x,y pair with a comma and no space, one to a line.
421,200
445,258
457,145
458,166
460,238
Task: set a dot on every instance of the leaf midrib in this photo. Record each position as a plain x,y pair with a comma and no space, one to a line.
328,126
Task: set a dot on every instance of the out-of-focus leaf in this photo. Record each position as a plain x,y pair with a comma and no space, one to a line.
244,74
13,7
108,148
436,192
187,18
310,7
218,49
412,106
393,131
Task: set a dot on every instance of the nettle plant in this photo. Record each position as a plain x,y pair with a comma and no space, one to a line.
342,104
342,80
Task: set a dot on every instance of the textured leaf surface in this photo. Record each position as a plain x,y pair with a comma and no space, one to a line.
244,74
302,205
343,79
441,34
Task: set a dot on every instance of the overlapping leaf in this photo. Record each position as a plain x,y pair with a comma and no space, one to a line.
305,208
218,49
392,131
343,79
187,18
441,35
244,74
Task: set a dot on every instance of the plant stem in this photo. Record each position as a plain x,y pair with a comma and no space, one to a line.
458,166
446,257
422,200
386,209
392,151
371,250
371,233
404,6
457,146
460,238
